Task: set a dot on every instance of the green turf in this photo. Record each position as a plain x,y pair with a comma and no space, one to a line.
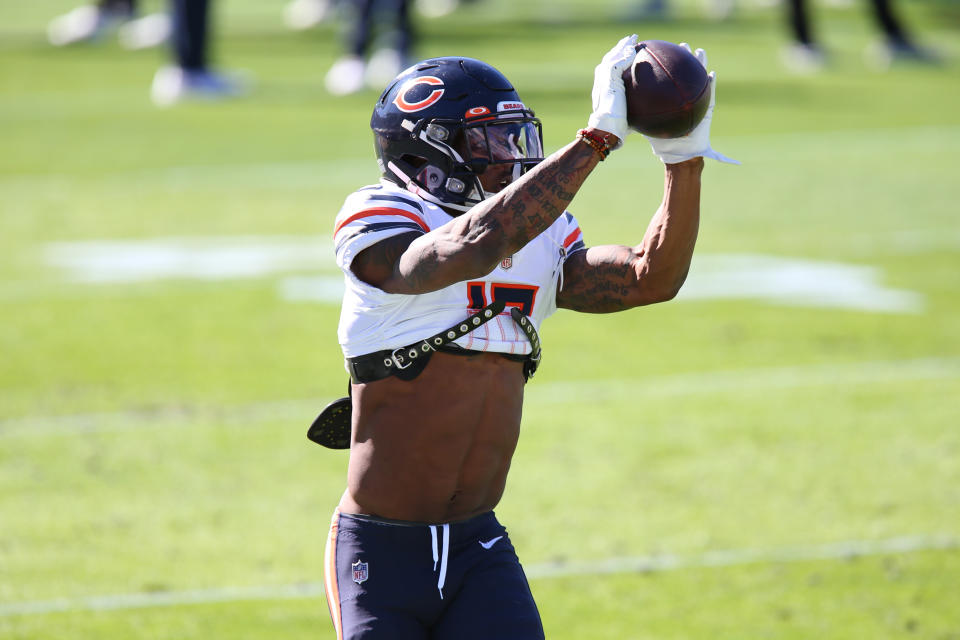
152,433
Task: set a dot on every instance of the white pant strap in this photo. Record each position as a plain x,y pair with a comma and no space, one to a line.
433,538
443,560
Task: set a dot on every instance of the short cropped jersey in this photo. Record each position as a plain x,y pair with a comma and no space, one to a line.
373,320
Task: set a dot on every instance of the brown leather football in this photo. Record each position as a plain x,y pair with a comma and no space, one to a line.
668,90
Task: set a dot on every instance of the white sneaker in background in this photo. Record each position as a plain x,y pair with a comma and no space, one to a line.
383,66
720,9
174,84
168,86
82,24
803,58
306,14
345,76
437,8
883,55
146,32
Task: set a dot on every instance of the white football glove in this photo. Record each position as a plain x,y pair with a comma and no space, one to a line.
609,96
697,142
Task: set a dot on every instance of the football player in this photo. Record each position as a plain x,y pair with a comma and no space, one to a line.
452,263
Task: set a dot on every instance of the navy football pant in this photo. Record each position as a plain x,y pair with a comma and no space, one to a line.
407,581
396,16
190,20
882,12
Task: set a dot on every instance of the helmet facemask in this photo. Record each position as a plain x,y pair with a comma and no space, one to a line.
459,163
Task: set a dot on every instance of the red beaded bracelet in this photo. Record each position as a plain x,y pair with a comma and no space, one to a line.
597,142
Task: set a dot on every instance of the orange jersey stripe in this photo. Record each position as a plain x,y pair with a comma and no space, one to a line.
572,238
330,576
382,211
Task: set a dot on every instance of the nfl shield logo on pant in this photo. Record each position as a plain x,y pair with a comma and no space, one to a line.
360,573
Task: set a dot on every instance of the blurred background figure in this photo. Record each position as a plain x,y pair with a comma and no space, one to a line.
306,14
185,26
656,10
94,21
383,25
805,55
190,76
648,10
440,8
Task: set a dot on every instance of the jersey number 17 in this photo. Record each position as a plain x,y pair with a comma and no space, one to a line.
521,296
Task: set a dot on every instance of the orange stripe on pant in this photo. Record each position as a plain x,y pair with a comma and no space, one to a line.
330,576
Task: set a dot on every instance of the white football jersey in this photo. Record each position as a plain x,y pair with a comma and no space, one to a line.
373,320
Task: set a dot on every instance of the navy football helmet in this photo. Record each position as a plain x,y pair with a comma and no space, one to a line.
445,123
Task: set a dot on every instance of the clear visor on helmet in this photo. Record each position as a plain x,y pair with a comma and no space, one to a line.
504,141
488,154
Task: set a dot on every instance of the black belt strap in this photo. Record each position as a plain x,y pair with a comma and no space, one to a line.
332,427
407,362
526,325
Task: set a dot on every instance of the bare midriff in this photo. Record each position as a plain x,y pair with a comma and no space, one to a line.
437,448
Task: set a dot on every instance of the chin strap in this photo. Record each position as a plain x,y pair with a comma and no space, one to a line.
413,187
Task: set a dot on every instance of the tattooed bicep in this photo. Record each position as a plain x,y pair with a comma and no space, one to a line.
599,280
375,265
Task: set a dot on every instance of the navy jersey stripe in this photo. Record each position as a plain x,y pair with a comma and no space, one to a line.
576,246
376,226
401,199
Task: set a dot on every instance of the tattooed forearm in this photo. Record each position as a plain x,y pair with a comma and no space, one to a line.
471,245
528,207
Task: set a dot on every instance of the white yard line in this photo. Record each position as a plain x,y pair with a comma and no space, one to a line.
748,381
604,566
80,423
763,278
734,557
206,259
737,381
780,280
163,599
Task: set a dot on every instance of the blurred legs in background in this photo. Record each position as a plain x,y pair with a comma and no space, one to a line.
190,76
659,10
151,30
352,72
186,26
897,44
368,21
89,22
806,55
92,22
803,55
306,14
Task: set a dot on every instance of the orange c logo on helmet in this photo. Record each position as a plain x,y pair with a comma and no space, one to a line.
410,107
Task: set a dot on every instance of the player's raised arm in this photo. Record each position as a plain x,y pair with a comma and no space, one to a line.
503,210
612,278
472,244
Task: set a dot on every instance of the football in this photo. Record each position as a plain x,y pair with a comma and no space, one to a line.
668,90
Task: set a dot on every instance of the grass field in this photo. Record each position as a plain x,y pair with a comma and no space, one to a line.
775,454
